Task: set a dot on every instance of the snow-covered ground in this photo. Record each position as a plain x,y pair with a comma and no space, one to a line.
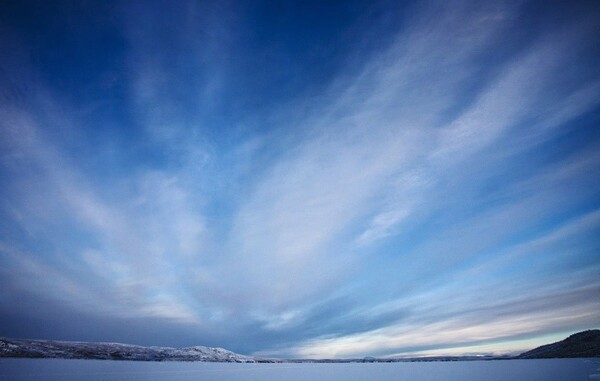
514,370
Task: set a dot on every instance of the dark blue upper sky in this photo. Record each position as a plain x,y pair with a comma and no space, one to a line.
307,179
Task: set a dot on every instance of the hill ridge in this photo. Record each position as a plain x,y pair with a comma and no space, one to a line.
580,344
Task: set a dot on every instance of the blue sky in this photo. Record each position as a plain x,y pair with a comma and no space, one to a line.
301,179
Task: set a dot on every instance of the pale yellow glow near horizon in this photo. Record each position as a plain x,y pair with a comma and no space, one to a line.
509,347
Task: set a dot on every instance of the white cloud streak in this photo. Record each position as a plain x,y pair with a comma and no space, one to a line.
385,151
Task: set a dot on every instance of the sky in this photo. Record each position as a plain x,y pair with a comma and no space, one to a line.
301,179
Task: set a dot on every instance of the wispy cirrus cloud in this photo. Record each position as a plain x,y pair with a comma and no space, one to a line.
396,211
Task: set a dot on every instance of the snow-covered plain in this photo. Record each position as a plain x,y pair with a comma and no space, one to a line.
500,370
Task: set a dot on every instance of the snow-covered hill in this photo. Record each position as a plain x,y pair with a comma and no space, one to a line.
114,351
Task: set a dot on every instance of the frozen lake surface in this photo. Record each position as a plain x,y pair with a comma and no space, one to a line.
515,370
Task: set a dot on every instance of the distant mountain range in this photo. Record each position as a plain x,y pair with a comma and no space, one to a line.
582,344
114,351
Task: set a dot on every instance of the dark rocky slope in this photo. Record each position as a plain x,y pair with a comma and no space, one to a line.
582,344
